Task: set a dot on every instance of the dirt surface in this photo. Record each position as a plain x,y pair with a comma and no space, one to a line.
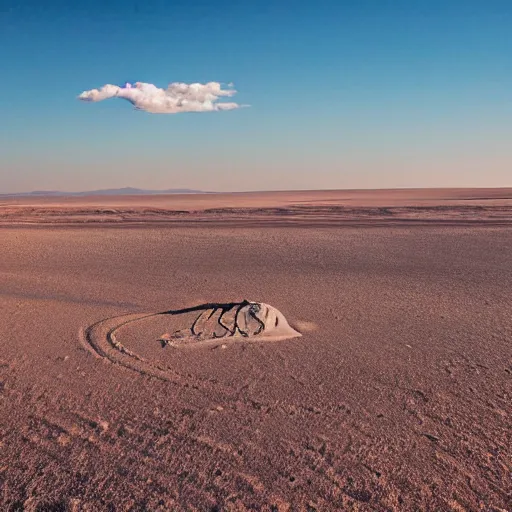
318,208
397,396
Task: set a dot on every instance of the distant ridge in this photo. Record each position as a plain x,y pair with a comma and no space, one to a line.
126,191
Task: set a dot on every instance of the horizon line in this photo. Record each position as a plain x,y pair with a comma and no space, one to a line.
190,191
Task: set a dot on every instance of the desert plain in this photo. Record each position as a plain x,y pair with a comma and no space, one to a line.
397,396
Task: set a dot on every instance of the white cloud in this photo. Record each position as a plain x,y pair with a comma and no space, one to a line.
178,97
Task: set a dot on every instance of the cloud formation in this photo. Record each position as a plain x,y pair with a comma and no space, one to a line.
178,97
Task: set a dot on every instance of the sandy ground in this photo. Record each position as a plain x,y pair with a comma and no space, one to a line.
319,208
398,395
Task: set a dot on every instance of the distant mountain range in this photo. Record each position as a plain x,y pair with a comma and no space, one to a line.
126,191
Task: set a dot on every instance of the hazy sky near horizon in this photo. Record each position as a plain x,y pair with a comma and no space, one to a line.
342,94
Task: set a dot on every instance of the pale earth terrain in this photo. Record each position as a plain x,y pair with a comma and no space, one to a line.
397,396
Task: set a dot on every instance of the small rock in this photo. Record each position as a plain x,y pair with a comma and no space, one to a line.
74,505
63,439
103,425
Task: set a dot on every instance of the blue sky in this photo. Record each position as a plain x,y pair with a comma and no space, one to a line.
343,94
